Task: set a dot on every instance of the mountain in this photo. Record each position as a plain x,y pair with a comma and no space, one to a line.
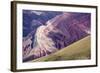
57,33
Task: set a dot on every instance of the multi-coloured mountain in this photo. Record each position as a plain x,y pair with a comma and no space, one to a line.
50,32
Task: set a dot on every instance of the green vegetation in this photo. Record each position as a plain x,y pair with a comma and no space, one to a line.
77,51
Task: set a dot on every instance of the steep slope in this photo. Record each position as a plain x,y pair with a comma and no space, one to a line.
78,50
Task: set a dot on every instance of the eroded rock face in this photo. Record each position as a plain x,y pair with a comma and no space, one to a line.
57,33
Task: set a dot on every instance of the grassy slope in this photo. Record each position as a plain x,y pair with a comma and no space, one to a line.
78,50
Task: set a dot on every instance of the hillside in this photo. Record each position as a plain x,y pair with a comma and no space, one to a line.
55,34
78,50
